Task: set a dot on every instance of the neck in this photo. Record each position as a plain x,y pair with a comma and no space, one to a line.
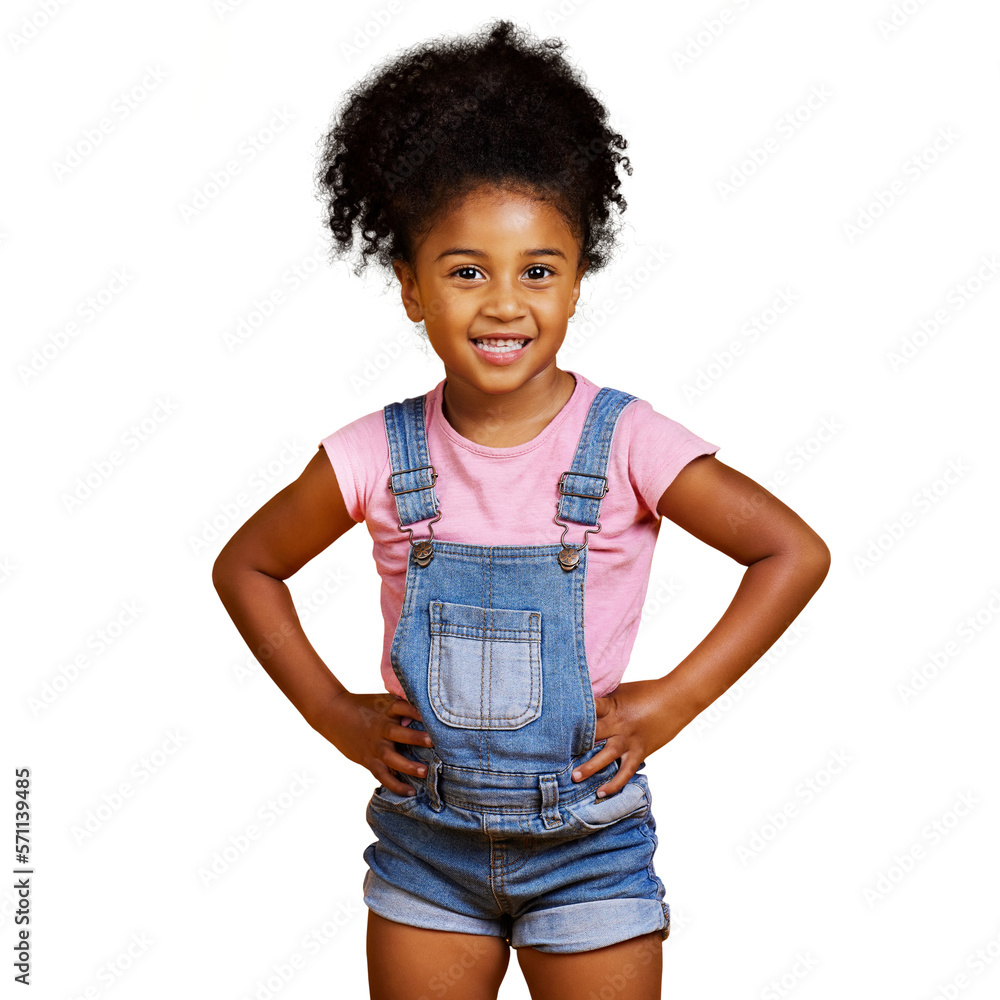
508,419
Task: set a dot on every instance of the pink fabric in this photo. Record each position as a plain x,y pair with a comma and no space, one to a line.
507,496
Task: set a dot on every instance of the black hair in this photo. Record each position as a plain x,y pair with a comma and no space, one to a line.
443,117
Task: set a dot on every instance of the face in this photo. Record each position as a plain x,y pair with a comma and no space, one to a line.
499,265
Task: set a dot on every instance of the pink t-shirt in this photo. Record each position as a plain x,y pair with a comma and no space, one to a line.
507,496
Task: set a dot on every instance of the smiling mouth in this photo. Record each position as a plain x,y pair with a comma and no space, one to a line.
500,345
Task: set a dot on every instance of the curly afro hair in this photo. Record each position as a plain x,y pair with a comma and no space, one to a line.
444,117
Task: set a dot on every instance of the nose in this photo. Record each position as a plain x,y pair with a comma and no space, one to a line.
504,300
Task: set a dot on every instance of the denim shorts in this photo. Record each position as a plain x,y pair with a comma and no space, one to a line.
545,865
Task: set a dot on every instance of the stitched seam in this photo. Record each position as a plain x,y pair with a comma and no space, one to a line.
486,689
477,632
425,458
650,872
534,654
533,810
480,735
488,747
525,852
477,553
390,414
580,644
535,665
493,880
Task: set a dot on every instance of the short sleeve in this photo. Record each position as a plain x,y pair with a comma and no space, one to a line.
359,455
659,448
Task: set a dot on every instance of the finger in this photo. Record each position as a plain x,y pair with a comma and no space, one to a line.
601,759
404,709
607,726
387,704
395,760
395,784
618,782
405,734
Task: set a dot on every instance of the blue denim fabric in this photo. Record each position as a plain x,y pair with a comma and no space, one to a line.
490,649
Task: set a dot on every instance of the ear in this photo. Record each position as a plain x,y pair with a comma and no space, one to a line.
408,290
580,271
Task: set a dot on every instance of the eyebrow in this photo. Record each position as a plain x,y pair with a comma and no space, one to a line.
467,252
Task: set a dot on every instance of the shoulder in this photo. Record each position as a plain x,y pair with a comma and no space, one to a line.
645,425
638,416
657,447
359,455
363,438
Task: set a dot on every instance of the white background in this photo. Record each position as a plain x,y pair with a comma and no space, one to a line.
882,880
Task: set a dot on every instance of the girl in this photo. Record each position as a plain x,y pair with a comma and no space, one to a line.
514,509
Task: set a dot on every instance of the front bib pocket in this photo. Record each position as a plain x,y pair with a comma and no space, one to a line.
485,669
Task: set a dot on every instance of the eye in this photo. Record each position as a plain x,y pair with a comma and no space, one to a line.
536,272
539,267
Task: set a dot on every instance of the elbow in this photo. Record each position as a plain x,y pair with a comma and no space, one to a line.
818,552
222,571
822,560
218,576
804,557
811,552
804,553
813,561
231,569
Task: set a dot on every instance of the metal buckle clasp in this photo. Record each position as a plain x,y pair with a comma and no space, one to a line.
414,489
569,557
586,496
423,550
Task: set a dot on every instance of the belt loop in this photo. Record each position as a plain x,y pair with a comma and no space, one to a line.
433,772
550,801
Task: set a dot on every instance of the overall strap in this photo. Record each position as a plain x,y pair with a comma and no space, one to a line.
583,485
412,478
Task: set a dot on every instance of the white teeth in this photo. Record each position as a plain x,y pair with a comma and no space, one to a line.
497,346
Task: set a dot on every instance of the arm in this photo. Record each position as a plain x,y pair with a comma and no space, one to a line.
786,563
249,573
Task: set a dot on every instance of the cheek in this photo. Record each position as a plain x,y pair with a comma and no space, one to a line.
438,305
559,310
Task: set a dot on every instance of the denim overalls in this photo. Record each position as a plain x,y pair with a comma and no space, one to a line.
490,649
